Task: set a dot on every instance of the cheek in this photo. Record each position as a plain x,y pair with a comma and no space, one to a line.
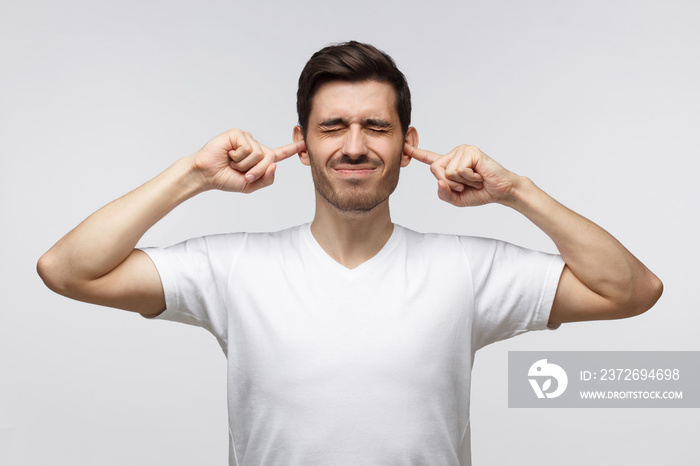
318,152
386,147
324,147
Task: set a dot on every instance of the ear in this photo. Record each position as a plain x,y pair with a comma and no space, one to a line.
298,135
412,139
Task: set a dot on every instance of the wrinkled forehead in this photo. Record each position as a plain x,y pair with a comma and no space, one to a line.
353,101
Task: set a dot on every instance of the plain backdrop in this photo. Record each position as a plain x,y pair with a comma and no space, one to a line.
596,101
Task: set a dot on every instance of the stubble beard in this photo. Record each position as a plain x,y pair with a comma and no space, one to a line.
355,198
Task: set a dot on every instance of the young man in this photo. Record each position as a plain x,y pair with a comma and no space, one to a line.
349,340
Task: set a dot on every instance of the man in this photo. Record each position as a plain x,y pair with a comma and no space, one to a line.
349,340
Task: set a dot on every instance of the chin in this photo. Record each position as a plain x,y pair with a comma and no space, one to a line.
355,195
354,203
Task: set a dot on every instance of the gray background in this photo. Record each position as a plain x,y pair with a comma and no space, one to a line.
596,101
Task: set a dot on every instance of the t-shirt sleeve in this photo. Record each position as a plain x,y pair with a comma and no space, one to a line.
194,275
514,288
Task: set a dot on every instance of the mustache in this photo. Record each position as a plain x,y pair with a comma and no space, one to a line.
361,160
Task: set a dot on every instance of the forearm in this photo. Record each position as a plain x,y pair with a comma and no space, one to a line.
106,238
594,256
601,279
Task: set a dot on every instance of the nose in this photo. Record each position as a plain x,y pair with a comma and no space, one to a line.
354,145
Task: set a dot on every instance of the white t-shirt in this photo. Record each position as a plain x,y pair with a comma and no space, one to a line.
369,366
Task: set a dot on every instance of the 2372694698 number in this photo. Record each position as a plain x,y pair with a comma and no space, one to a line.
640,374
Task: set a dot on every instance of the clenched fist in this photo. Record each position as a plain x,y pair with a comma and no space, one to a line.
235,161
466,176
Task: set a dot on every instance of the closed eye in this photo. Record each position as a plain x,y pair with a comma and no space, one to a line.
377,125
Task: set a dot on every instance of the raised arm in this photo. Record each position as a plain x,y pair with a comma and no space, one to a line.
601,279
96,262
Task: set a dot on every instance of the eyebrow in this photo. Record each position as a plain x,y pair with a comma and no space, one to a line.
376,122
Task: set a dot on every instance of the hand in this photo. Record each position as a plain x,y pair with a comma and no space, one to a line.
235,161
466,176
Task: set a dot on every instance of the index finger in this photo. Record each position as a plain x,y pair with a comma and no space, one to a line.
421,155
287,151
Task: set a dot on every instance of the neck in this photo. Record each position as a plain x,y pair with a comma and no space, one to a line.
351,238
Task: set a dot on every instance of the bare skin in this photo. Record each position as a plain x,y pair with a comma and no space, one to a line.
601,279
355,147
96,262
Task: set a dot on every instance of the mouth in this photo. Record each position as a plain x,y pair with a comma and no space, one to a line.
360,168
355,170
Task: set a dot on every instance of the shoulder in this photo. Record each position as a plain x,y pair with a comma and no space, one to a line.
467,244
228,240
226,246
272,239
446,252
482,255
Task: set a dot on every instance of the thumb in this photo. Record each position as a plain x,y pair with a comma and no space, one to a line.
445,193
265,180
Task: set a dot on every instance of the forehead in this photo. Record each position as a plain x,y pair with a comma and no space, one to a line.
354,100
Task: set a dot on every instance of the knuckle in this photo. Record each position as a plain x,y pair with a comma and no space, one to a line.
260,158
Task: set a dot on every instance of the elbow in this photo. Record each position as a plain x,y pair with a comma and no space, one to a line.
656,289
50,272
45,267
645,295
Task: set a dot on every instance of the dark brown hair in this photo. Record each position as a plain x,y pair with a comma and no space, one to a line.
351,61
